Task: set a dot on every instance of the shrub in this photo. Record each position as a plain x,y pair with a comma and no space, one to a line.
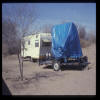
86,39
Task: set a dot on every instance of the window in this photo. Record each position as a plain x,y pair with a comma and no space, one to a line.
36,43
29,42
46,43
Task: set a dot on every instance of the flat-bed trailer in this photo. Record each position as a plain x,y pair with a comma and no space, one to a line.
56,64
66,49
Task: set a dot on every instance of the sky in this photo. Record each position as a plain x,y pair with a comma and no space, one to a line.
55,13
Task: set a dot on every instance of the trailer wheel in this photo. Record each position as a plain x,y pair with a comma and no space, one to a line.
56,66
31,59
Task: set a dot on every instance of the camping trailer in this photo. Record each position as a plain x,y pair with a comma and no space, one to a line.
36,46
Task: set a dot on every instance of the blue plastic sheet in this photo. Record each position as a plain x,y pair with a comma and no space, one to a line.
65,41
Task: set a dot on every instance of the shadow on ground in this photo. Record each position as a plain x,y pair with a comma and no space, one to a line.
5,90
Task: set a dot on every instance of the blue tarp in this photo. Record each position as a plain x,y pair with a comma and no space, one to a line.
65,41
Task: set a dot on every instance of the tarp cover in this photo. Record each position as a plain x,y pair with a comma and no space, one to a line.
65,41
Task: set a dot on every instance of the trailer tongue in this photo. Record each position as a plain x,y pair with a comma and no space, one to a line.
66,49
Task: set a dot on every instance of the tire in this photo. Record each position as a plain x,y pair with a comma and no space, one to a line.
38,61
31,59
56,66
34,60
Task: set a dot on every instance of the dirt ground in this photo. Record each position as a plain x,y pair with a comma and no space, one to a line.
42,80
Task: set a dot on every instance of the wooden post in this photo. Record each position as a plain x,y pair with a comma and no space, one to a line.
20,65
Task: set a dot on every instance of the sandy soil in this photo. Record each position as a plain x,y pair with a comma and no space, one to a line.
42,80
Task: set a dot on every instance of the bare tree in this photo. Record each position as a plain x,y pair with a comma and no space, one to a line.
23,16
82,32
9,36
47,28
